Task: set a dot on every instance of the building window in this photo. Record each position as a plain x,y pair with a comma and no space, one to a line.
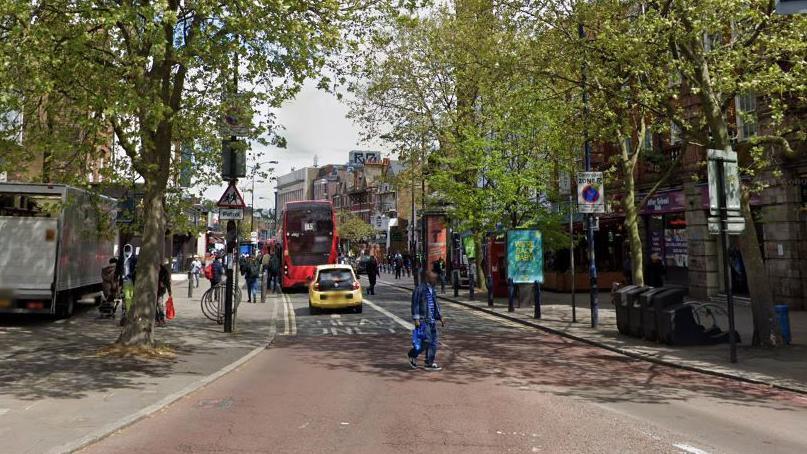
746,116
675,133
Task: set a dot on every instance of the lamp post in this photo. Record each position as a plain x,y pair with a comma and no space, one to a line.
252,208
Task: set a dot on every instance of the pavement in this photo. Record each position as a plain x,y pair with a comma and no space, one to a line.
784,367
57,394
338,382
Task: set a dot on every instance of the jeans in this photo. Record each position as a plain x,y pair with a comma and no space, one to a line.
429,344
371,288
271,283
397,272
252,288
196,278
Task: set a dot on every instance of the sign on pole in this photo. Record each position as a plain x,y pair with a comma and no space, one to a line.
735,223
525,256
590,192
564,183
231,214
231,198
791,6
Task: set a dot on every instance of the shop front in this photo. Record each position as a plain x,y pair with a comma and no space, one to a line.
665,233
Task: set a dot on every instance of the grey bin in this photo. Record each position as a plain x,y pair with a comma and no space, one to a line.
654,303
621,308
649,322
635,314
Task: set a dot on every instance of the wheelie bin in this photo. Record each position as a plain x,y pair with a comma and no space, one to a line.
649,330
621,308
635,310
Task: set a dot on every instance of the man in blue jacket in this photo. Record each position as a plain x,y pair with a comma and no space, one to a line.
426,313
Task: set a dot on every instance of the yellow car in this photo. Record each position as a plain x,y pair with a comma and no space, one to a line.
334,287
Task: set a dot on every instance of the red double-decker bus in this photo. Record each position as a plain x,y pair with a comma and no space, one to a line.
309,239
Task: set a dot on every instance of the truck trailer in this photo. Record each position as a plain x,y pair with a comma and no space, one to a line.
54,240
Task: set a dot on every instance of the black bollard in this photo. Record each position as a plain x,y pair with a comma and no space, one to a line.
510,296
537,290
471,285
456,276
489,283
190,284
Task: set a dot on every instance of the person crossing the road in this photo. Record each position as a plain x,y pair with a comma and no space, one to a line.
426,313
372,274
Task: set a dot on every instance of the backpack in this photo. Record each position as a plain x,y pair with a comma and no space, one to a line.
209,271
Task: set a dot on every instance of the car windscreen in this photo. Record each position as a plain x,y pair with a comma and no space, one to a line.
335,279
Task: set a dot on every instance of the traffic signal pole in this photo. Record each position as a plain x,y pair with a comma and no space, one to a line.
592,257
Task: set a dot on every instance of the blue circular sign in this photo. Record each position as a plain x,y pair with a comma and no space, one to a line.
591,194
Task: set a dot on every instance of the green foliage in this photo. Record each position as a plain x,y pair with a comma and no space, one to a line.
354,229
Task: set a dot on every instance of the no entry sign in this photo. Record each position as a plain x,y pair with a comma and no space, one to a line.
590,192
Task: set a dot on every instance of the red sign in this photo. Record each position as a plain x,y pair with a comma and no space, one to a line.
435,239
231,198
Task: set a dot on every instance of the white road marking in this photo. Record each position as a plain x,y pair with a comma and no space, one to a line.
3,411
304,426
334,332
689,448
336,315
324,330
285,316
358,331
292,317
349,331
395,318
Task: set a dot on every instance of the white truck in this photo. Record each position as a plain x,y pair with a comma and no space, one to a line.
54,240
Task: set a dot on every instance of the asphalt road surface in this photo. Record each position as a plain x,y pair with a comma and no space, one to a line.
339,382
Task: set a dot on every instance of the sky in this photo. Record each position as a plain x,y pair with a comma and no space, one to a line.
315,123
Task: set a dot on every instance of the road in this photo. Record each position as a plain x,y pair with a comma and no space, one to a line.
339,382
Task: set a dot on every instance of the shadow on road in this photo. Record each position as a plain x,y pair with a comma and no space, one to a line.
533,362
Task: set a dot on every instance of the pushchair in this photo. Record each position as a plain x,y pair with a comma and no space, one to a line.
112,292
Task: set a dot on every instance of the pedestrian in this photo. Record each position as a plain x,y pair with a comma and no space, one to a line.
273,272
252,272
196,269
655,271
217,273
439,268
163,287
372,274
425,314
408,265
398,264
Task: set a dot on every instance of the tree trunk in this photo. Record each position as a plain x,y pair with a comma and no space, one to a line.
766,330
139,327
480,275
632,223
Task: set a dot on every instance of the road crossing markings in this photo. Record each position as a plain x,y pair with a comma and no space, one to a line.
690,449
395,318
334,332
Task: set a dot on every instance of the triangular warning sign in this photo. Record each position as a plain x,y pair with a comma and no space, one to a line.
231,198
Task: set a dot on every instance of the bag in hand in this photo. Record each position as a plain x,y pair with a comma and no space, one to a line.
170,312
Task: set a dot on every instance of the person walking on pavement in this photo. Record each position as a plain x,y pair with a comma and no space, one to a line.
196,269
655,271
398,264
425,314
252,272
439,268
372,274
273,272
163,287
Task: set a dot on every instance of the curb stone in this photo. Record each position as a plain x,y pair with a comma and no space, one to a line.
622,351
126,421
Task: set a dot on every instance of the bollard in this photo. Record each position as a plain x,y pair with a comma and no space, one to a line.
471,285
537,289
783,318
456,276
190,284
264,277
489,283
510,292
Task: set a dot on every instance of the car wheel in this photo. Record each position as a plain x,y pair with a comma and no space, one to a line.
358,309
312,310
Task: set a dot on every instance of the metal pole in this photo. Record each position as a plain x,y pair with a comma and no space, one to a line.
252,208
510,296
721,197
537,290
190,284
571,257
413,235
232,239
592,256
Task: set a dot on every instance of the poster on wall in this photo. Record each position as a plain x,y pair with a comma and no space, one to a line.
469,245
436,236
675,247
525,256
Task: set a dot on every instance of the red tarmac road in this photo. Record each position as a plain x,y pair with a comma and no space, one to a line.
503,389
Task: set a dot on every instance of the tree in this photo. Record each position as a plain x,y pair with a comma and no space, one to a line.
161,73
354,229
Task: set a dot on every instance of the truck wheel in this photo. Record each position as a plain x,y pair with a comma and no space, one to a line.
65,306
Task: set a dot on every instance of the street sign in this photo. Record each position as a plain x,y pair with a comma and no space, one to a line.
734,225
791,7
231,198
525,256
564,183
590,192
253,237
731,181
231,214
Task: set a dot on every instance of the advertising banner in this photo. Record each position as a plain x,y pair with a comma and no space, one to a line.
436,237
525,256
470,247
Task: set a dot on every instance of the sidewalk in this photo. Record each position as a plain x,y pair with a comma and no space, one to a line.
785,367
58,394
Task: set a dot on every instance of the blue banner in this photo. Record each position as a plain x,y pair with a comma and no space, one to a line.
525,256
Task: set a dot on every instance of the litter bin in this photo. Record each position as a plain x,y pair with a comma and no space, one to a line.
649,330
783,316
635,310
621,308
659,301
